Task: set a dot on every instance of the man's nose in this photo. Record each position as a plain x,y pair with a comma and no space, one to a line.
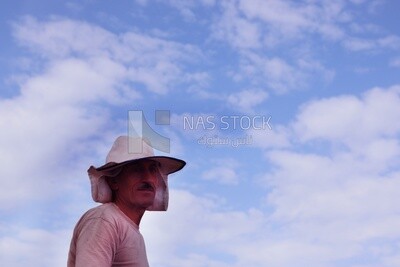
149,174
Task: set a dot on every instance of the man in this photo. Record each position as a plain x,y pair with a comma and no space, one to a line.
127,185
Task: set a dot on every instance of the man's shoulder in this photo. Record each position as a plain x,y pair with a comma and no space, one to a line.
108,214
104,211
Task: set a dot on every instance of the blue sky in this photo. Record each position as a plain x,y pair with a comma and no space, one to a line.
320,188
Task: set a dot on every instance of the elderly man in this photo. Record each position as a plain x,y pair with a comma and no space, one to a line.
127,185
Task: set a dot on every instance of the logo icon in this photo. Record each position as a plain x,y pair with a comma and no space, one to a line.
138,127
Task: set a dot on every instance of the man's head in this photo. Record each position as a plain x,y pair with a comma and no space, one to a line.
120,162
135,185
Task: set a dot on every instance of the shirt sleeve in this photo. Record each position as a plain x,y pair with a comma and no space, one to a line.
96,244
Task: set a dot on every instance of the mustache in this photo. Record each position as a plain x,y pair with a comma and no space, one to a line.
147,186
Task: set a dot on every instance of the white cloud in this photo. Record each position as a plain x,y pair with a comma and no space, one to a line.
239,32
186,7
374,6
277,137
357,2
284,21
222,174
338,205
320,212
365,28
290,23
335,204
256,29
351,120
223,171
328,19
141,2
61,37
395,62
364,44
185,225
324,208
25,247
278,74
74,81
151,61
42,124
246,100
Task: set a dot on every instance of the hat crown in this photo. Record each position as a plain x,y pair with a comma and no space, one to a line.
129,148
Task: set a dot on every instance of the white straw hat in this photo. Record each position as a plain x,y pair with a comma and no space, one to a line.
120,155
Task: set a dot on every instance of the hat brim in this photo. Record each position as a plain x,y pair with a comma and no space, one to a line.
168,164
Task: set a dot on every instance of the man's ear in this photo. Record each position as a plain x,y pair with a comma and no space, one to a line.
112,183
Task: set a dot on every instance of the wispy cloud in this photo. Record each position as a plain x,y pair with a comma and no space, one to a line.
246,100
225,172
395,62
379,44
153,62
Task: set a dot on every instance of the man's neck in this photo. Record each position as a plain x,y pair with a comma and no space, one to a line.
133,213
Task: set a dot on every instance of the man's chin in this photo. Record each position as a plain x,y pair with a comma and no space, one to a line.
146,204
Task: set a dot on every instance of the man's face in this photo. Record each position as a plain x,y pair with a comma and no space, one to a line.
137,183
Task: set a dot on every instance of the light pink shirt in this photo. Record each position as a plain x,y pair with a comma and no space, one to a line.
105,237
